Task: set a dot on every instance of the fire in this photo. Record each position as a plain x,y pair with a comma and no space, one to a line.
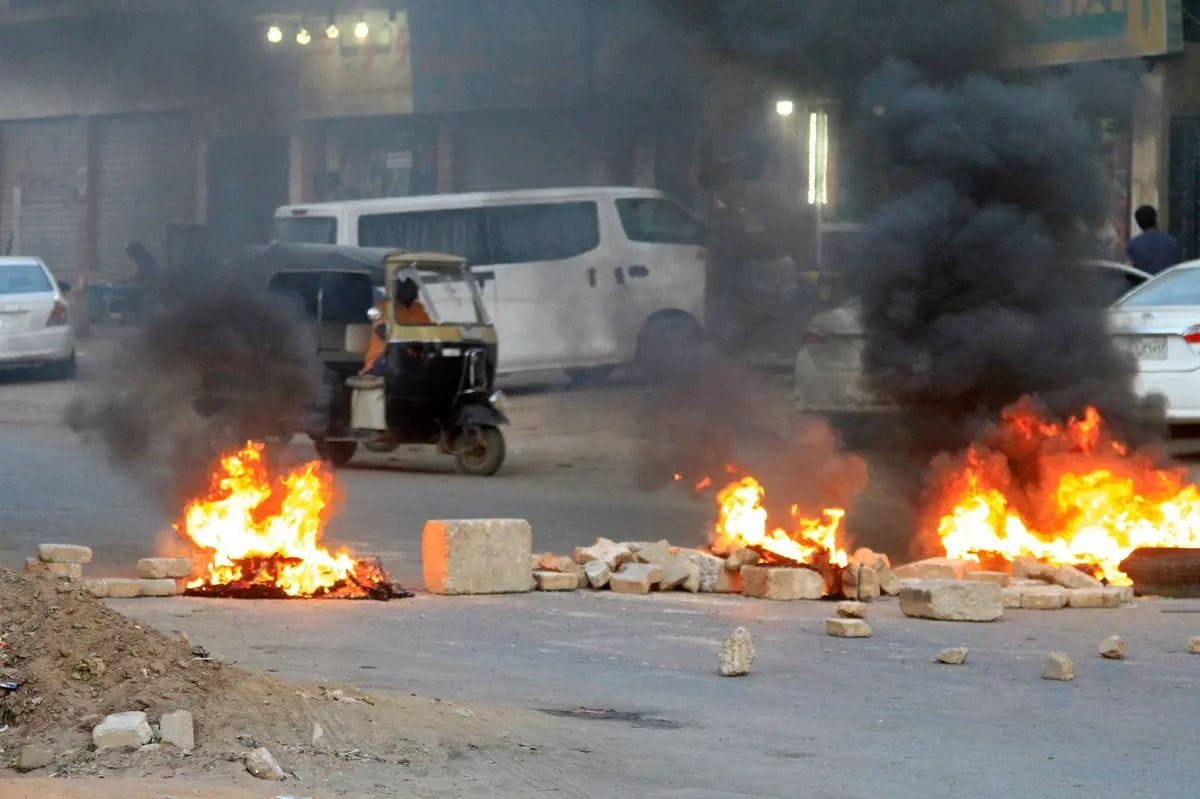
265,532
1065,493
743,521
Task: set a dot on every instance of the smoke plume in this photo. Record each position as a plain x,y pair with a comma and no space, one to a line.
222,361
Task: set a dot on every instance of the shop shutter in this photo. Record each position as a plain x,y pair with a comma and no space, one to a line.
524,150
45,159
146,175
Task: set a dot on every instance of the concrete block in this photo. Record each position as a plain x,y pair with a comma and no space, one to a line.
654,553
598,573
121,587
865,556
34,566
1070,577
781,582
954,656
1002,579
889,583
937,569
95,587
1010,597
714,577
122,730
860,582
178,729
34,756
1112,648
952,600
1103,597
159,568
736,655
1045,597
162,587
72,570
1058,666
1034,569
635,578
847,628
851,609
550,562
1194,645
64,553
477,556
741,557
606,550
555,581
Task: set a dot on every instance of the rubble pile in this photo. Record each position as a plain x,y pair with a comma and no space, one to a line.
1025,583
157,577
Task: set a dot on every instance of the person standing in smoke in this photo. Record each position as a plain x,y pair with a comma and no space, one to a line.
1152,251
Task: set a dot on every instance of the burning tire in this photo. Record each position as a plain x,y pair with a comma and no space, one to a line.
1166,571
480,453
338,453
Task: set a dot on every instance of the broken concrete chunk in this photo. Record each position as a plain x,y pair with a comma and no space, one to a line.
162,587
1194,645
34,756
555,581
262,764
1113,648
657,552
714,578
635,578
178,729
889,583
71,570
159,568
953,656
123,730
865,556
1034,569
97,588
64,553
741,557
1043,597
783,583
851,609
34,566
598,573
1103,597
549,562
676,572
606,550
737,654
122,587
847,628
692,583
868,584
952,600
1058,666
1070,577
1001,579
477,556
937,569
1010,597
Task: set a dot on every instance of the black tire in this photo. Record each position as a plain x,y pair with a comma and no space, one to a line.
670,346
338,453
480,454
64,370
590,376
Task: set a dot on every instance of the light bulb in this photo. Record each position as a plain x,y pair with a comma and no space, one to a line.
274,34
361,30
333,31
303,37
784,108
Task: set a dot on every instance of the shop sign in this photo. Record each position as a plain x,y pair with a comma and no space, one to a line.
1047,32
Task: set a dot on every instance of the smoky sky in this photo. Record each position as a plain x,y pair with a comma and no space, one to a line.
221,361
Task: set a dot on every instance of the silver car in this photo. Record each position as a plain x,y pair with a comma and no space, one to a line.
35,326
829,376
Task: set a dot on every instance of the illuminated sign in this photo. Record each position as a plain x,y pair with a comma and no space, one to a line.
1045,32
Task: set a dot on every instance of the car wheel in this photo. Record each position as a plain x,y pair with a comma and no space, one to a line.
480,453
338,453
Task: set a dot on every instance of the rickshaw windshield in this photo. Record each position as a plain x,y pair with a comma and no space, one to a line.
447,296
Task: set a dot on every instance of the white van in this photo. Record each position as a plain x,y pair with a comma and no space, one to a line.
575,279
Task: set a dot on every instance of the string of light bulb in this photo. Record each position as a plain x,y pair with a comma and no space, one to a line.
360,31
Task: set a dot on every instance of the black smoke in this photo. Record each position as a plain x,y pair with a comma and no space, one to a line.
220,362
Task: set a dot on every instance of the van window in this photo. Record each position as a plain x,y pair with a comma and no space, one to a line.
306,229
543,232
457,231
657,221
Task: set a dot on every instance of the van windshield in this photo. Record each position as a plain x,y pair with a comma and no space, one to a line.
306,229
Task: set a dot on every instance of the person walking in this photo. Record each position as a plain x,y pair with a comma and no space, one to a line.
1152,250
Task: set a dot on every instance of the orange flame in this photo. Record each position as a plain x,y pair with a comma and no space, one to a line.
263,531
1067,494
744,522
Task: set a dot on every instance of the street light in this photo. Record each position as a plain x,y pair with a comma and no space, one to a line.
361,30
784,108
274,34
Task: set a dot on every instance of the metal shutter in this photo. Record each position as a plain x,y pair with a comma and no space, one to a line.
525,150
146,175
46,159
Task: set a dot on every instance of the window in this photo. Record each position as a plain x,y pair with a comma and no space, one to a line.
1176,288
656,221
340,297
23,279
544,232
306,229
457,232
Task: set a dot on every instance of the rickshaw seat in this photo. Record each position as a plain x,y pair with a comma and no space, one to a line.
364,381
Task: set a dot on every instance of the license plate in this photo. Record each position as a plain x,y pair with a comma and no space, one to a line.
1149,348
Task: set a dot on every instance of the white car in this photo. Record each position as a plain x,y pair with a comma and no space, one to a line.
1160,324
35,327
829,374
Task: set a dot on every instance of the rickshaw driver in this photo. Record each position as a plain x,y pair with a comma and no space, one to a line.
409,311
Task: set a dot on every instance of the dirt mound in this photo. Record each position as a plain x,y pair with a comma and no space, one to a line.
77,660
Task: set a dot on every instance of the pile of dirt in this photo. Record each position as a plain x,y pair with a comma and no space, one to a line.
77,660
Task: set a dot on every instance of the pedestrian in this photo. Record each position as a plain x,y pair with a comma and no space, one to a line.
1152,250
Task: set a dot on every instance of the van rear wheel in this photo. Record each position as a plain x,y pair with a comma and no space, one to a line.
338,453
480,453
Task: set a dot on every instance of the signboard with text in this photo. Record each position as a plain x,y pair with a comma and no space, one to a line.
1048,32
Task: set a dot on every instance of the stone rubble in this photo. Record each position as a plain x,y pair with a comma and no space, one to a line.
851,609
952,600
610,552
1044,597
1113,648
34,756
160,568
262,764
953,656
1058,666
128,730
781,583
736,655
178,729
936,569
555,581
1070,577
847,628
635,578
1194,645
598,573
64,553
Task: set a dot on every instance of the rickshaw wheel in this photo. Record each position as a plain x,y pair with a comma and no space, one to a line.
482,454
338,453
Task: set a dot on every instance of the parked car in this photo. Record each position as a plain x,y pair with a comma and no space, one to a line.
35,327
829,377
1160,324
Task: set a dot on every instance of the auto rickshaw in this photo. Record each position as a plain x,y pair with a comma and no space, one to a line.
434,380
